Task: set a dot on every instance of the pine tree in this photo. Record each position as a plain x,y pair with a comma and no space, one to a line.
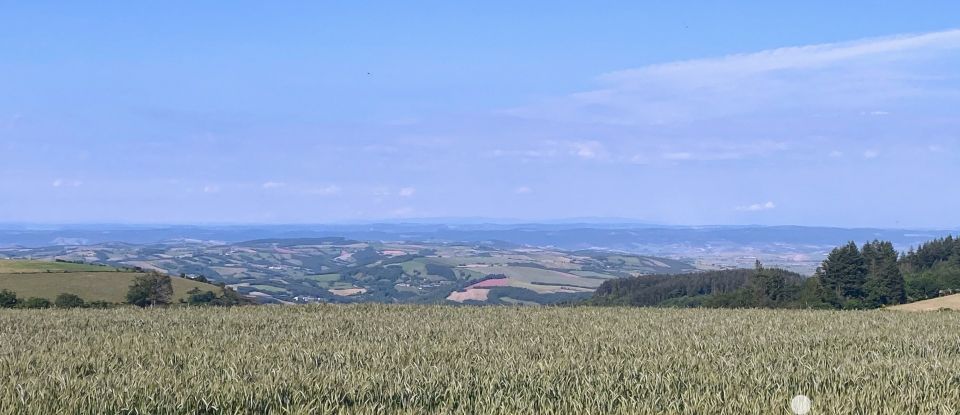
955,256
768,288
885,283
844,272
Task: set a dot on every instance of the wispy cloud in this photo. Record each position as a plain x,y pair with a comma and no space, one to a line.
407,191
66,183
588,149
11,121
323,190
724,151
787,105
402,212
522,190
379,148
272,185
856,75
682,155
757,207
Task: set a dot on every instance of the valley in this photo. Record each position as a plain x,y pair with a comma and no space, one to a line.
339,270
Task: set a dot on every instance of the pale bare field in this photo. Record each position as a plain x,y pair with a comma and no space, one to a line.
951,302
476,294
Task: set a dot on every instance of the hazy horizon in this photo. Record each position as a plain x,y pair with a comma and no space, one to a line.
820,115
599,222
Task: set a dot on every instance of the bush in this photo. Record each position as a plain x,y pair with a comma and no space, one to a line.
231,298
8,299
197,297
67,300
36,302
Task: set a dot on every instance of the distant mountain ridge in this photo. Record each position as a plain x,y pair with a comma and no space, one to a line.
796,248
570,236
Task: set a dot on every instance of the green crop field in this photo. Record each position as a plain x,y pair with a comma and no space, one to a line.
269,288
324,277
437,359
8,266
91,286
543,276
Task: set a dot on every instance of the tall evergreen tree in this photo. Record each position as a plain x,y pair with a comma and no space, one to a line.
885,283
955,257
768,288
844,272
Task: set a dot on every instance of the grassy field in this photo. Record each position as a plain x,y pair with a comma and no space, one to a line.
436,359
27,266
324,277
48,279
90,286
544,280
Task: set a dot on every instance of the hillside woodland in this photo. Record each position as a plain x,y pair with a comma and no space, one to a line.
870,276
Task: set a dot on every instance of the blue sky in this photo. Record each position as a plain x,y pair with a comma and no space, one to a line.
814,113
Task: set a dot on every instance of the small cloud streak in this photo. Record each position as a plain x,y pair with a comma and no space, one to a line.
871,154
407,191
66,183
522,190
588,149
405,211
324,191
677,156
273,185
756,207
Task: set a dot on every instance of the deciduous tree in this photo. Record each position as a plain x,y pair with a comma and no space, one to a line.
151,289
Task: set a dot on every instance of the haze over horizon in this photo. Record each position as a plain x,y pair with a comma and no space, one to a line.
453,222
671,114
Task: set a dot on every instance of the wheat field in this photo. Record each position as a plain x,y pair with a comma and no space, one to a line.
438,359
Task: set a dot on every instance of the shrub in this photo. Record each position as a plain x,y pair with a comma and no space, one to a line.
67,300
36,302
8,299
198,298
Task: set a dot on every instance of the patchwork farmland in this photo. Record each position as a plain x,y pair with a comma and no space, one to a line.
342,271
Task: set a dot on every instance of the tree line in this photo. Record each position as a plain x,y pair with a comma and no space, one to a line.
933,269
9,299
851,277
150,289
155,289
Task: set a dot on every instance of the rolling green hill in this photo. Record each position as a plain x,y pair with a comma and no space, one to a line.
50,279
27,266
